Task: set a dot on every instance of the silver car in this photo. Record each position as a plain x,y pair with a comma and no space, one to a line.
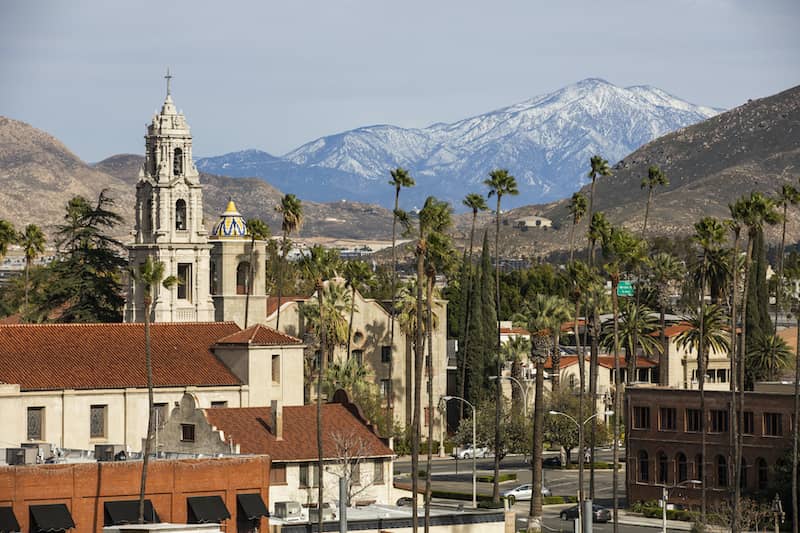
467,453
523,493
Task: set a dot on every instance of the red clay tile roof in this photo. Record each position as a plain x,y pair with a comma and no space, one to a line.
606,361
260,335
249,427
514,331
570,326
272,302
106,356
789,335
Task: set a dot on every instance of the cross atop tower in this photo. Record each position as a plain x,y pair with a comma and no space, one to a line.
168,77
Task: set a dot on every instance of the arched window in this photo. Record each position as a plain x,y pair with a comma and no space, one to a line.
722,471
761,467
242,277
177,162
147,215
698,468
743,474
662,467
644,467
180,215
213,278
682,468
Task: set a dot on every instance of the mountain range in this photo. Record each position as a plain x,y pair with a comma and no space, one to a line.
546,142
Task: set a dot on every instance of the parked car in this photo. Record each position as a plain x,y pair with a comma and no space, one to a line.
467,453
599,513
551,462
523,493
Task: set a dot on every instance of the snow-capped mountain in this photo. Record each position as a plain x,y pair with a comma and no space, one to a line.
546,142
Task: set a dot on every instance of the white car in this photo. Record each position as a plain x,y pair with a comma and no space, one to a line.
467,453
523,493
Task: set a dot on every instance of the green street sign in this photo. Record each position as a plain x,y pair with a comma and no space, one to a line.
625,288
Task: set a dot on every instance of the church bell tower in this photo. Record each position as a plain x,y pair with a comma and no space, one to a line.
169,223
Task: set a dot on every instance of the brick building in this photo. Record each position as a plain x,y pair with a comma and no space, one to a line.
86,497
664,441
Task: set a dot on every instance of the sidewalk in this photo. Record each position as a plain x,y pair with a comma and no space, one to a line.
632,519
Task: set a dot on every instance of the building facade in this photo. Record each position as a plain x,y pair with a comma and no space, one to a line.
664,442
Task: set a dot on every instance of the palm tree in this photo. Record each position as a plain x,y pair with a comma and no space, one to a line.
599,167
347,375
706,332
664,269
149,275
476,203
318,266
258,232
513,350
577,209
291,211
500,184
400,178
766,357
599,231
32,242
541,323
8,235
357,275
637,324
561,314
787,195
655,177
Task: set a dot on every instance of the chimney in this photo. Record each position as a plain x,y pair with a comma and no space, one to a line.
277,419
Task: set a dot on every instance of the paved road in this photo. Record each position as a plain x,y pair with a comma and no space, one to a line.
552,523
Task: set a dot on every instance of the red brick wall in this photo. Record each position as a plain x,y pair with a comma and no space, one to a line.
85,487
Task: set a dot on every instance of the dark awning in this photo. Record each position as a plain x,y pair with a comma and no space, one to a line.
251,506
127,512
53,517
207,509
8,521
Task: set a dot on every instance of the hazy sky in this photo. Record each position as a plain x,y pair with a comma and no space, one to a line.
273,75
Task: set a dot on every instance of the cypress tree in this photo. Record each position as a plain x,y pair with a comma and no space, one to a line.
488,314
475,343
757,321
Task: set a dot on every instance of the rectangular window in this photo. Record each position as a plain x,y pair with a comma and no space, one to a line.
309,475
427,417
694,421
641,417
355,473
748,423
276,368
667,419
719,421
386,354
386,388
185,281
97,421
358,355
220,404
277,474
773,424
162,413
187,432
35,423
377,476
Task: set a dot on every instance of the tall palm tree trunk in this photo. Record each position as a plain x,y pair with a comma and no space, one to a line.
617,395
572,240
465,329
429,368
593,368
418,360
150,421
498,389
280,281
350,323
779,285
795,495
663,357
647,210
735,459
390,398
740,363
701,381
27,281
535,513
323,346
581,401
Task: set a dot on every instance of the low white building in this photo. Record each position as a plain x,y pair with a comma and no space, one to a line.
78,385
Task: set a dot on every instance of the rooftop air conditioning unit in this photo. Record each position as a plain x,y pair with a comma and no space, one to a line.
107,452
21,456
43,449
288,510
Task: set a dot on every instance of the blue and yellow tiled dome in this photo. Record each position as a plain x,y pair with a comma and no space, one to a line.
231,223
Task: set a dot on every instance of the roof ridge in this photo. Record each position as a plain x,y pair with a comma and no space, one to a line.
96,324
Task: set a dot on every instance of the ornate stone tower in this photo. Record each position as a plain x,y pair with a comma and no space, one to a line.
230,271
169,223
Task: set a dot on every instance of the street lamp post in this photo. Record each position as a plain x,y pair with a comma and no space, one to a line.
665,497
586,524
523,389
474,448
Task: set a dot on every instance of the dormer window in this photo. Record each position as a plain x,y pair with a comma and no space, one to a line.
180,215
177,162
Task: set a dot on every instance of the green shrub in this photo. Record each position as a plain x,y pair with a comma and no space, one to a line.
557,500
504,476
489,504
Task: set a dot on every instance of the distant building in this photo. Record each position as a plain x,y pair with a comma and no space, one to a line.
664,445
534,221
